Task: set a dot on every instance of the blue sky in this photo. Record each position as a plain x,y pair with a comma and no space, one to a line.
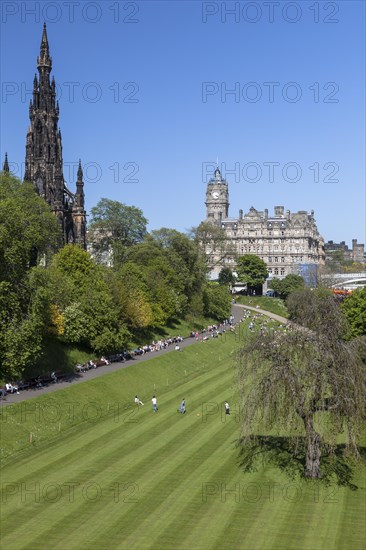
145,102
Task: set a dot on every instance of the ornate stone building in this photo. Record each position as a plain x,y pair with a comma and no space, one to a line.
287,242
43,161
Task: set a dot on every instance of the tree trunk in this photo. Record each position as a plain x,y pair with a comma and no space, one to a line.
313,453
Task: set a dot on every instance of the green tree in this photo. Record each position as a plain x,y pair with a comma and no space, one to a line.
28,232
284,287
90,311
28,229
114,226
130,296
217,302
75,263
76,324
307,384
354,308
214,245
184,255
226,276
251,270
111,341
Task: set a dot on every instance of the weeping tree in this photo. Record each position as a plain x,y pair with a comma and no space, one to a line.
307,384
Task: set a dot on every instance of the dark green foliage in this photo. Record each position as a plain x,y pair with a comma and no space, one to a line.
226,276
217,302
284,287
251,270
28,232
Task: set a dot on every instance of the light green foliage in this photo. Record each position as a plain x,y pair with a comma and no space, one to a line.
75,263
130,296
76,324
90,312
354,308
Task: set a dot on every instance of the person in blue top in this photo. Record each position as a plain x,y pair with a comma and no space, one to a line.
182,408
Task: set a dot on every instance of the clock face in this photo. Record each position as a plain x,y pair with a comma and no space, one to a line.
215,194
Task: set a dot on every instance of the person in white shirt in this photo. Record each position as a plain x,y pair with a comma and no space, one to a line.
11,389
154,403
227,408
138,401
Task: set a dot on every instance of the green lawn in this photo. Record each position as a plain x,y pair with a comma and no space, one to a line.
274,305
101,474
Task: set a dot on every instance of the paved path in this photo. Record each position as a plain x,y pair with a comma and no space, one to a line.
237,309
100,371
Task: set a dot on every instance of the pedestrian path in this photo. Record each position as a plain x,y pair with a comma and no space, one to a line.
101,371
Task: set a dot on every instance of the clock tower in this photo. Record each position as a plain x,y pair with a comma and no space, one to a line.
217,198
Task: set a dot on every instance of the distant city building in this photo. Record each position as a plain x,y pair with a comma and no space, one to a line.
287,242
43,161
355,254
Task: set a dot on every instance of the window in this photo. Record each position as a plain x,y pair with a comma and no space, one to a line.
282,271
282,259
276,271
276,259
270,258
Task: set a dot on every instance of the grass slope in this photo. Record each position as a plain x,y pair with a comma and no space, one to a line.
141,480
57,355
274,305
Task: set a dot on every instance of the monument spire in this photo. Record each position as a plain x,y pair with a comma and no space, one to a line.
44,58
6,164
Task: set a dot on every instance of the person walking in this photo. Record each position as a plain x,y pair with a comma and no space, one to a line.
154,403
182,408
227,408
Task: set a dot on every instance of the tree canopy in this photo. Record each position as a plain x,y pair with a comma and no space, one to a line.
309,384
213,243
28,231
114,226
52,291
251,270
284,287
226,276
354,308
